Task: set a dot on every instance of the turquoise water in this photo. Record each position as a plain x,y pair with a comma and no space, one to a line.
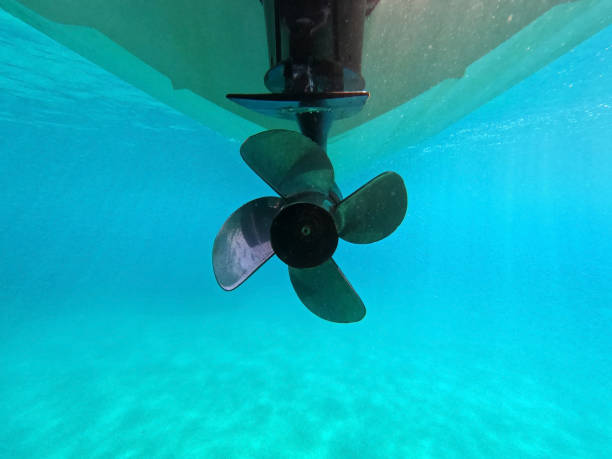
489,322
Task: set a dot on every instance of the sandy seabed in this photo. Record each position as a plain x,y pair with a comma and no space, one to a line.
258,385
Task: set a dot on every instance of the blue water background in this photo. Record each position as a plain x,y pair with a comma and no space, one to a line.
489,325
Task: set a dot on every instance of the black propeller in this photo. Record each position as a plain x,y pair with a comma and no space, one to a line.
302,227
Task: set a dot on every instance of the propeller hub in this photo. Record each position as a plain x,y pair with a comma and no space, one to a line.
303,235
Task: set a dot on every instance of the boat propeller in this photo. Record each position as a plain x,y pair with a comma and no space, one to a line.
315,79
303,225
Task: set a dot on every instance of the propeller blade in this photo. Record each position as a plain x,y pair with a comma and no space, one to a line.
243,242
373,211
289,162
326,292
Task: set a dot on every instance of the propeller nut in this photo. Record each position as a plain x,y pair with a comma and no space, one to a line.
303,235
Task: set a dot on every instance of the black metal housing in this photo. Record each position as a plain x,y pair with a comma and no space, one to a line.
315,45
